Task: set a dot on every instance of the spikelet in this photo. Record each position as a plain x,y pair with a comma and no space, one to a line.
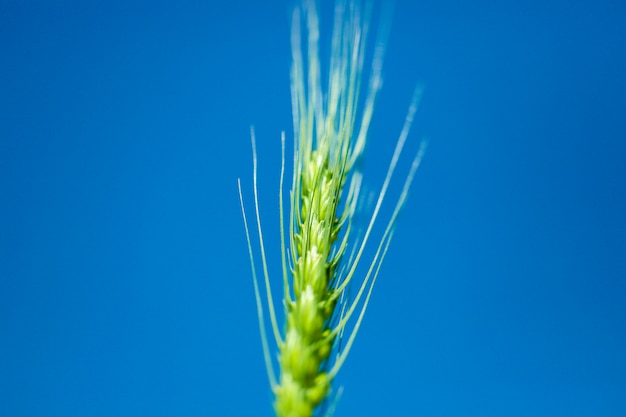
329,137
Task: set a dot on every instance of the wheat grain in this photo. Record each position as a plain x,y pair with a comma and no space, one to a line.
329,137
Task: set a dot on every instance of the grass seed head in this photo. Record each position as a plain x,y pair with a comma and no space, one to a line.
330,130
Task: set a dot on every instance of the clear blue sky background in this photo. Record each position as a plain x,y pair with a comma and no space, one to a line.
125,288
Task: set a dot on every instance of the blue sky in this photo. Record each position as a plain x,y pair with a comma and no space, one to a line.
125,288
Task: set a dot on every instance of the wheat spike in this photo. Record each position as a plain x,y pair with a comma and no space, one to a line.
330,132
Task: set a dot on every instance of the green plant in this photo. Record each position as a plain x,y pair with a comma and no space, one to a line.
323,252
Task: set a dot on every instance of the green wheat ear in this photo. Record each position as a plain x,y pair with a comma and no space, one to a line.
330,133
